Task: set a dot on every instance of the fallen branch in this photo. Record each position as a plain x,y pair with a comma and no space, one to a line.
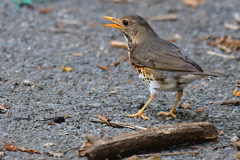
117,124
233,102
151,139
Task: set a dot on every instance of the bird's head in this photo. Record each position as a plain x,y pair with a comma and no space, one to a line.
135,28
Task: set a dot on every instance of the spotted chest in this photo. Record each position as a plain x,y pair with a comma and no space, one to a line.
144,75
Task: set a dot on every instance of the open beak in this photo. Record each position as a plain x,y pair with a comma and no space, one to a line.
115,21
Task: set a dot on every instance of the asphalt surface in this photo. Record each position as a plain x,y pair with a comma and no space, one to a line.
33,86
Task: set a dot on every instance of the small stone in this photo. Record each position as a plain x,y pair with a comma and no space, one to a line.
234,139
1,155
28,83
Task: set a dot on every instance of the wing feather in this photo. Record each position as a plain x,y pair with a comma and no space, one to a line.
163,55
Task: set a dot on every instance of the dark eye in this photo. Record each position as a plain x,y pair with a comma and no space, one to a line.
125,22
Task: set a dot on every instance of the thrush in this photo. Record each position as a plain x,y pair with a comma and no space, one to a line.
160,64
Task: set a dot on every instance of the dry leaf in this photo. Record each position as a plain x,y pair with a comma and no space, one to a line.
236,93
103,67
195,87
82,151
166,17
227,44
199,110
45,10
129,81
186,106
221,132
103,118
192,3
58,155
66,69
10,147
28,150
39,67
119,44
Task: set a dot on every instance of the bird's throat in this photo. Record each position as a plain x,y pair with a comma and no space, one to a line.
128,40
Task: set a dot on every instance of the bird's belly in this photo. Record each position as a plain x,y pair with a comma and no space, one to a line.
169,83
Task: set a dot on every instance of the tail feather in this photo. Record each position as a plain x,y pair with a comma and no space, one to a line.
215,74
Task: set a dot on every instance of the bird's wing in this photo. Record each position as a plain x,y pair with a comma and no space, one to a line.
163,55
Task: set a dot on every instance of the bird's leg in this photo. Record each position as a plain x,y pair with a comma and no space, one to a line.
140,112
179,96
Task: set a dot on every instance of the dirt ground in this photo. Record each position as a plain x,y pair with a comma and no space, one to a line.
34,46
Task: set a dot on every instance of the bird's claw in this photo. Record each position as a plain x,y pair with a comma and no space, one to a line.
168,114
143,116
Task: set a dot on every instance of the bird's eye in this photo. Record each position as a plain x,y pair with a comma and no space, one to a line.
125,22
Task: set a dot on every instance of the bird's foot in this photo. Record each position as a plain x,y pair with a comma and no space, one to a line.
168,114
140,113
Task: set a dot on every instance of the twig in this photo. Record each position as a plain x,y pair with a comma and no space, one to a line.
234,102
223,146
168,154
219,54
118,124
179,153
165,17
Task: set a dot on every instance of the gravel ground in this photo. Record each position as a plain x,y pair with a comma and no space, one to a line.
31,50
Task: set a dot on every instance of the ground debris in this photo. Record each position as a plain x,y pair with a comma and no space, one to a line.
11,147
231,26
2,154
165,17
233,102
49,144
3,107
226,43
103,67
186,106
199,110
192,3
236,93
58,155
105,120
45,10
119,44
237,156
135,157
149,139
66,69
28,82
220,55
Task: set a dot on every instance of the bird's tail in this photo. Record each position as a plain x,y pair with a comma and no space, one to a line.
208,73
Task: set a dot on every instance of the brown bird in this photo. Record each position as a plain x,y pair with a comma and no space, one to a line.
161,65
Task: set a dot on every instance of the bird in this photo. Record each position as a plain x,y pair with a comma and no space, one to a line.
161,65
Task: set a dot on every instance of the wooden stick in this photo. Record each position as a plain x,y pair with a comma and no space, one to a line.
118,124
151,139
233,102
220,55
